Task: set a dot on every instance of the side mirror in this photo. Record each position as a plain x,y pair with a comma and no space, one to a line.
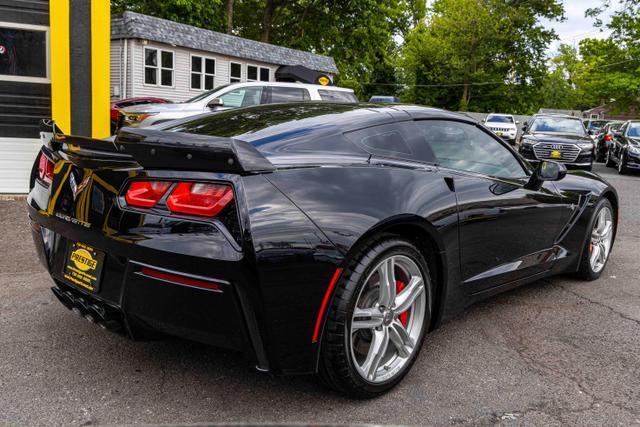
617,134
517,122
546,170
591,132
215,103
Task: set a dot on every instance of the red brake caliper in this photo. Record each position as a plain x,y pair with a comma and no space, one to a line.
403,316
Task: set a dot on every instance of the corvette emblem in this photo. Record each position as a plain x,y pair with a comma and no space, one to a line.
76,188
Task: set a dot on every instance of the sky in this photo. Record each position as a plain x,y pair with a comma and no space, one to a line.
576,27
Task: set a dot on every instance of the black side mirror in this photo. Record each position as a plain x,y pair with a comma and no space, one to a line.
617,134
215,103
546,170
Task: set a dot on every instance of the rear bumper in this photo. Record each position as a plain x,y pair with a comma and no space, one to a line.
142,307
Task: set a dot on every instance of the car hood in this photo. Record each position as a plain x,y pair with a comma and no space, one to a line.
500,125
159,108
561,138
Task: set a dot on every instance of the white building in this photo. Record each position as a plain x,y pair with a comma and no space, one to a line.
159,58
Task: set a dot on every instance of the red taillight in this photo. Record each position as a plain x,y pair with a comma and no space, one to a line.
45,169
145,194
608,137
195,198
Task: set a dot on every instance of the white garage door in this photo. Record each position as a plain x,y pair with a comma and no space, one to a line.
16,160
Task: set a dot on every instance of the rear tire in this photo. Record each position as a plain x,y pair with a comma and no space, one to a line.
608,161
347,342
599,243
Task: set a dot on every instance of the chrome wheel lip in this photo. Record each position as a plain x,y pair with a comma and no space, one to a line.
601,239
395,343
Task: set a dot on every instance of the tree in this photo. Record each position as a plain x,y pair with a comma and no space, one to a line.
479,54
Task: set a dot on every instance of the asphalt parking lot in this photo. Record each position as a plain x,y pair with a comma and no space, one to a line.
557,351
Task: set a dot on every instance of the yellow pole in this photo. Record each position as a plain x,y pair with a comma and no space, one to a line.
59,63
100,68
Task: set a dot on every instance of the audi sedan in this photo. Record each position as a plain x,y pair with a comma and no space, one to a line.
560,138
313,238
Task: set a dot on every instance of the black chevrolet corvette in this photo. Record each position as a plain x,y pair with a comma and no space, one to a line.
314,238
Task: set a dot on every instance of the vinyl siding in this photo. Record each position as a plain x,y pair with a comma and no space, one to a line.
181,89
17,158
115,61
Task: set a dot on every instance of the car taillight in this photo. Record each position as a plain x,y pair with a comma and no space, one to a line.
195,198
608,137
145,194
45,169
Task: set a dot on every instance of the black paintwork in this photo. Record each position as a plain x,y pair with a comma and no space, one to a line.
620,149
275,251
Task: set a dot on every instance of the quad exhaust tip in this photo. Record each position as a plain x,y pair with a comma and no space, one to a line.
92,311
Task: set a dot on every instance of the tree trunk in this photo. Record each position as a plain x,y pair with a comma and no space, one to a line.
229,16
466,95
267,20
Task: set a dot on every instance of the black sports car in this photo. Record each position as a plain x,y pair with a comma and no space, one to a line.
560,138
315,238
624,148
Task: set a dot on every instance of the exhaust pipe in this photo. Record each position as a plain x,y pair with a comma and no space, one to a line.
93,312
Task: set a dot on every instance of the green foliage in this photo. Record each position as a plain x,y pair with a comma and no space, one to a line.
480,55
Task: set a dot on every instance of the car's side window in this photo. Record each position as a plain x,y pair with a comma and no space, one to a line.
242,97
287,94
463,146
394,140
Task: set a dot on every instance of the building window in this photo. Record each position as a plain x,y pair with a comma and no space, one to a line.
158,67
203,72
253,75
595,116
24,53
235,72
265,74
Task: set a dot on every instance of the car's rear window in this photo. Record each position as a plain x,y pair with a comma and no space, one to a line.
337,96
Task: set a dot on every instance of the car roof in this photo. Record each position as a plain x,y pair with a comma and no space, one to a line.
289,84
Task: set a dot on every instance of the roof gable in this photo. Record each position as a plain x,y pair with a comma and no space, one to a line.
131,25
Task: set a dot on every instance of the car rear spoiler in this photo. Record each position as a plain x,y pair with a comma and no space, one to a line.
157,149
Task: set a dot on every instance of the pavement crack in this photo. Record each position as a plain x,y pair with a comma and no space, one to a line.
591,301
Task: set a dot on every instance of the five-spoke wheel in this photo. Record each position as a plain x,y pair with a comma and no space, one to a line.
378,317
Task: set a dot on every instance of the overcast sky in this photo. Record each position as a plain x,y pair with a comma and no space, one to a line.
577,27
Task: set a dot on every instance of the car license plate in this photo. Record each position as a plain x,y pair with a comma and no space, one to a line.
499,133
556,154
83,266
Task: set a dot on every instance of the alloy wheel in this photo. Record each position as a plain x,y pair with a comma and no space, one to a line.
388,319
601,239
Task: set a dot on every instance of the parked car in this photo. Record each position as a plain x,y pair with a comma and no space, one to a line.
503,125
314,237
557,137
593,126
624,149
233,96
604,138
116,106
384,99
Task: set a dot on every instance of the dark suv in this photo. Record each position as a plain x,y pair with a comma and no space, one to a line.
560,138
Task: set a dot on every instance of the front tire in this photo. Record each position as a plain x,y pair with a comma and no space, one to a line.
598,247
622,167
377,320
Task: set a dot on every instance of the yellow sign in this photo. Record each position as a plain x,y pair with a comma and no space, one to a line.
323,80
83,260
556,154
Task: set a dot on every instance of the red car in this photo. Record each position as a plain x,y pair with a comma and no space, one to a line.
129,102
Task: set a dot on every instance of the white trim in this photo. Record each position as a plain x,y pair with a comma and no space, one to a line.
258,68
231,77
47,42
203,72
159,68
